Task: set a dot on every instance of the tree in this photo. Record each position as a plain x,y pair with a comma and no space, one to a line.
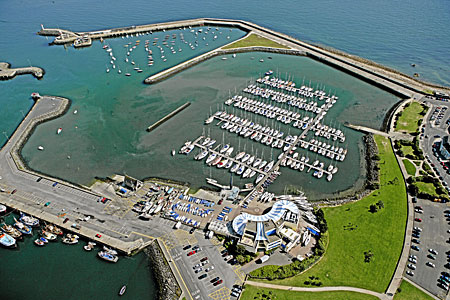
240,250
373,208
368,256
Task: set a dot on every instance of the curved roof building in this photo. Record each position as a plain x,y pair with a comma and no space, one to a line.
275,214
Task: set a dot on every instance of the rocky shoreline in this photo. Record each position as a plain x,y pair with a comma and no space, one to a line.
166,283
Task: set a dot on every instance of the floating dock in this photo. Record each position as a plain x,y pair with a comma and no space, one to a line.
167,117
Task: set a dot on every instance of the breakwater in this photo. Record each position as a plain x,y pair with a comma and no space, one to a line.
167,117
217,52
394,81
168,287
6,72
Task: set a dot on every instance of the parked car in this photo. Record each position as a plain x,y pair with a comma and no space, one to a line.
218,282
191,253
203,259
430,264
209,269
432,251
202,276
214,279
411,266
187,247
14,191
414,247
418,220
410,273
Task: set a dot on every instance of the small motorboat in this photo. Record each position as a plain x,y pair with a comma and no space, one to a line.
59,130
44,240
11,231
89,246
122,290
48,235
38,242
70,239
40,148
2,208
173,152
108,256
7,241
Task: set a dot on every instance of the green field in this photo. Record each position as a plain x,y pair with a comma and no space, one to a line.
410,168
255,40
410,292
426,187
256,293
408,121
354,230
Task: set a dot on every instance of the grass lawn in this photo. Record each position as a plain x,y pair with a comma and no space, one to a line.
354,230
410,292
255,40
409,166
427,187
256,293
407,150
409,118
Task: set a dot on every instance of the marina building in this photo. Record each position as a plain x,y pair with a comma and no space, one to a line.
277,228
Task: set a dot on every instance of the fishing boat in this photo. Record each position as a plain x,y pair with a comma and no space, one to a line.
28,220
70,239
53,229
24,229
108,256
89,246
7,241
59,130
11,231
39,243
122,290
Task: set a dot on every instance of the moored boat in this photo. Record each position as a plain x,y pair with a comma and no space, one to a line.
2,208
6,240
28,220
122,290
108,256
38,242
11,231
24,229
70,239
48,235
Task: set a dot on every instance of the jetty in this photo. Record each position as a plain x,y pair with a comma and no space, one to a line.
391,80
6,72
168,116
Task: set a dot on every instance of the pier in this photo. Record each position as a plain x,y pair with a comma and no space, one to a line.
6,72
391,80
168,116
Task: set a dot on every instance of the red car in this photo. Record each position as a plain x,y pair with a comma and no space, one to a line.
191,253
418,220
98,235
218,282
203,259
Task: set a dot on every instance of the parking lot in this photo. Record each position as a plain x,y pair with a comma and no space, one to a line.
181,243
434,235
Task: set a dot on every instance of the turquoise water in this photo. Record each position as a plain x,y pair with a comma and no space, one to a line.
114,110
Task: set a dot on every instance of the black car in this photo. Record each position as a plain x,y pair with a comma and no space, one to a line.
202,276
415,241
39,179
416,235
214,279
187,247
192,230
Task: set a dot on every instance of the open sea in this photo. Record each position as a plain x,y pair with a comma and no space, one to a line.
108,134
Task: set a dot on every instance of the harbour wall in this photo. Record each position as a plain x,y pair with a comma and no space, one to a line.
167,117
395,81
6,72
217,52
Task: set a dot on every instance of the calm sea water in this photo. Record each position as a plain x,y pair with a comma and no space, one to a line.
114,110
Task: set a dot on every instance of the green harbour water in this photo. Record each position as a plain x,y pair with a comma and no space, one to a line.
108,134
60,271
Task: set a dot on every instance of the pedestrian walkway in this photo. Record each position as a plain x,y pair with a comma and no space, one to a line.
319,289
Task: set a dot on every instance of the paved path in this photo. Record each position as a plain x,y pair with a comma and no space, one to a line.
318,289
367,129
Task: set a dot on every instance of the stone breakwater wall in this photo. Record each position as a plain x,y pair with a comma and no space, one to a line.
167,285
7,73
192,62
27,131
